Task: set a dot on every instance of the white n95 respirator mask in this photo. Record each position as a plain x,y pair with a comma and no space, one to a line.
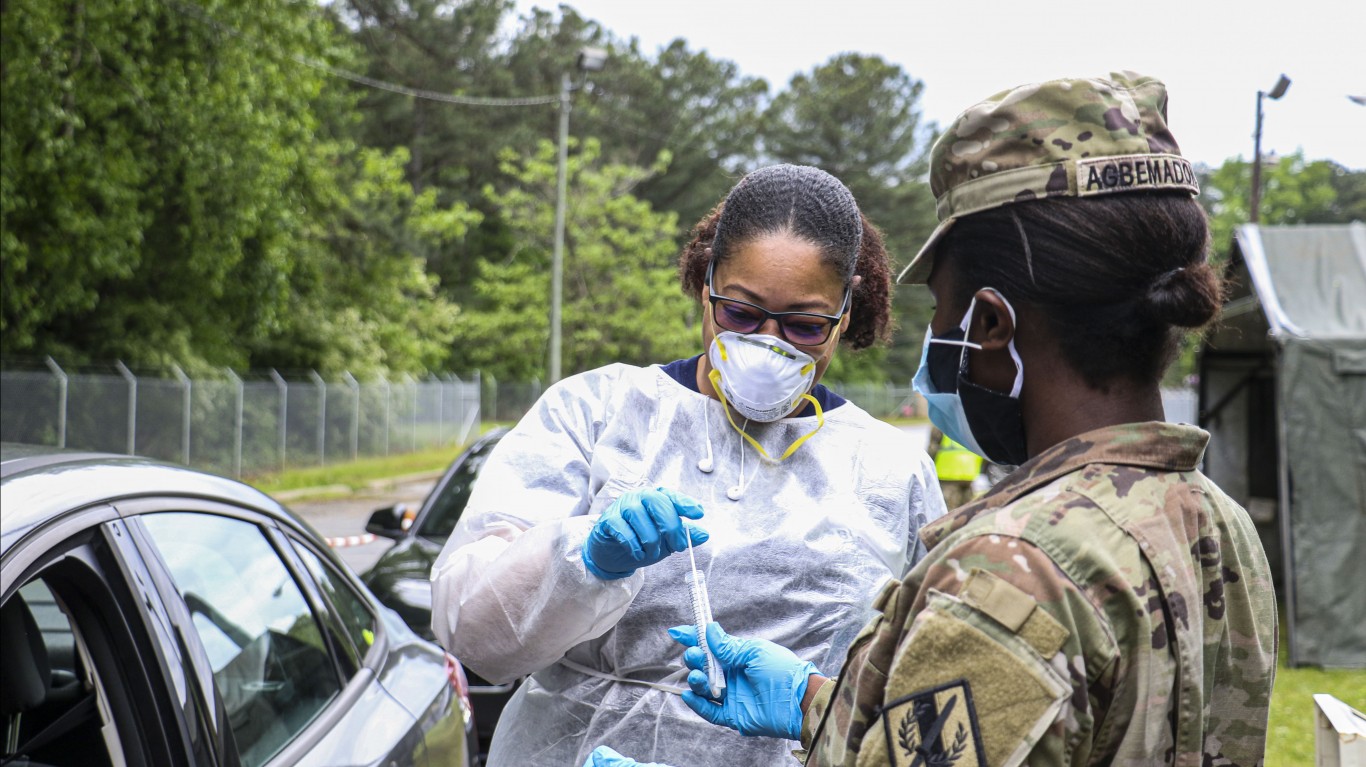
763,377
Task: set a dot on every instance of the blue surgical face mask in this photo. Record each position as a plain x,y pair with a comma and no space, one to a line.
989,423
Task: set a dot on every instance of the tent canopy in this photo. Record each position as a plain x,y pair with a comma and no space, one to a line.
1311,280
1283,391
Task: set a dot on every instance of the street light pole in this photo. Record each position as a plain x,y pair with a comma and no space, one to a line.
1254,215
557,257
590,60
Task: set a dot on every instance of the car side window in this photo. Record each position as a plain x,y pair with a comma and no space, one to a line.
440,521
352,612
269,660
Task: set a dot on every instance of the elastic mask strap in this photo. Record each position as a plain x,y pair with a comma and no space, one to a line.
966,344
582,669
950,342
820,422
1014,354
715,377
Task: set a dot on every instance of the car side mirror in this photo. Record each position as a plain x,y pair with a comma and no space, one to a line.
390,521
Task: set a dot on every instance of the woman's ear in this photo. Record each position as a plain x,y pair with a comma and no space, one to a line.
993,323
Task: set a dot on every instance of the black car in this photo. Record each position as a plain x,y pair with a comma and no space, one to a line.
401,577
155,615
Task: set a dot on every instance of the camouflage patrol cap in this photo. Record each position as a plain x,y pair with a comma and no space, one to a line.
1062,138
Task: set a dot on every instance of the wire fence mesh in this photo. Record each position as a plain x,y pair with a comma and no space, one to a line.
251,423
233,424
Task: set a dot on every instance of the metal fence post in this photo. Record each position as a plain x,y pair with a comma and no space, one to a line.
132,405
473,415
237,426
493,395
61,400
186,401
442,387
355,413
387,392
284,411
412,399
322,416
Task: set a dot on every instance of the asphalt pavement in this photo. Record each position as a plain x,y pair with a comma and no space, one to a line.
342,520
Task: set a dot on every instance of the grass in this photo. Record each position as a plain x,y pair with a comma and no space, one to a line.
1290,731
355,474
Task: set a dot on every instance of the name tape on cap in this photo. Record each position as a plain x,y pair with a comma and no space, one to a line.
1134,172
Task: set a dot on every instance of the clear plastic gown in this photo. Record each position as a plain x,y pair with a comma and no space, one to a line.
796,559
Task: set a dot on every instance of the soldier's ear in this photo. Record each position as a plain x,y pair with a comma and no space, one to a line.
993,321
993,326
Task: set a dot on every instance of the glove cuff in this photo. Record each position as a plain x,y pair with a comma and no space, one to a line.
794,722
606,575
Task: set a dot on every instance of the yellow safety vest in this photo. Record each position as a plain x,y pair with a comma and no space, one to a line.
955,463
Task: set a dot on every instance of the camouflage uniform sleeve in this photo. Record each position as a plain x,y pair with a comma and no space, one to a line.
820,703
1000,657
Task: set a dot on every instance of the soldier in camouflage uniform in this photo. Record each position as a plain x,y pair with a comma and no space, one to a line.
1105,603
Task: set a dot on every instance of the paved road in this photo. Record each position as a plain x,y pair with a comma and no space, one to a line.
341,517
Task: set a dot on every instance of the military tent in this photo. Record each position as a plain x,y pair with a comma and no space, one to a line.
1283,393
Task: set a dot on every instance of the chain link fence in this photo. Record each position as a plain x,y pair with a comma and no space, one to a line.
233,424
249,423
883,400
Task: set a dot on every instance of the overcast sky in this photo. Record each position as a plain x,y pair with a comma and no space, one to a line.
1214,56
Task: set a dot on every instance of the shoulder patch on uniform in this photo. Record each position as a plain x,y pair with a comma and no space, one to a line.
935,727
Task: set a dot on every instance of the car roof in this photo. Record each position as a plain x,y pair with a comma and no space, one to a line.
39,483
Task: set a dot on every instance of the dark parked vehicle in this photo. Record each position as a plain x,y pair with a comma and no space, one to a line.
155,615
401,577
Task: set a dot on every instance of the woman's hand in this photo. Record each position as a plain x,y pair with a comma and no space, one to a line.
765,683
640,528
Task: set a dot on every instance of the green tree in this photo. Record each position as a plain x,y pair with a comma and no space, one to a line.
360,299
456,49
145,149
1349,203
621,300
859,118
1293,192
698,111
178,186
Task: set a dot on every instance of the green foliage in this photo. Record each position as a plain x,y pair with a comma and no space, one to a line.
360,300
140,129
179,188
699,110
1293,192
621,301
859,117
1349,203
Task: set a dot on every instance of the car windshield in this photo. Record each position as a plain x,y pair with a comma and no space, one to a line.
450,501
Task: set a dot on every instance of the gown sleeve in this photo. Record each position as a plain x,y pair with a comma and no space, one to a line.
510,593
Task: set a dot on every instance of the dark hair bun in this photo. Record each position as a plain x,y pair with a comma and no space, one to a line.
1188,297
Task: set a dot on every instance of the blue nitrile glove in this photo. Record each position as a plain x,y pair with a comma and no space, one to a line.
638,529
603,756
765,683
